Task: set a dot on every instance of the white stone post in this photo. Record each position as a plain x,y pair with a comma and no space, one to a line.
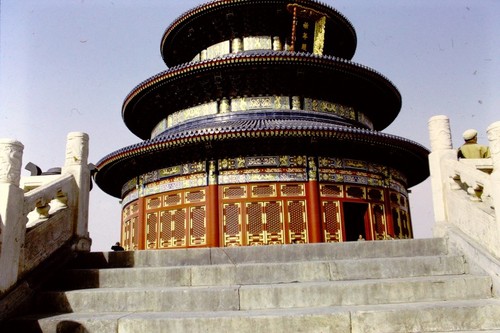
494,142
12,225
76,163
441,149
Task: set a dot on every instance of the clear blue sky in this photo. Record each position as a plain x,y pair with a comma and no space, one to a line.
67,65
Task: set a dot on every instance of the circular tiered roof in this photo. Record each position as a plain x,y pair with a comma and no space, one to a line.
327,77
223,20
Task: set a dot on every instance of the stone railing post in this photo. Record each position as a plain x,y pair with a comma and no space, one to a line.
12,226
76,163
441,149
494,142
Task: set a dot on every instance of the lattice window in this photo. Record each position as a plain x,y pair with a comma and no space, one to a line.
198,225
290,190
274,222
165,228
151,234
297,221
403,201
179,232
172,199
355,192
375,194
134,208
330,190
195,196
394,198
263,191
332,223
233,192
153,203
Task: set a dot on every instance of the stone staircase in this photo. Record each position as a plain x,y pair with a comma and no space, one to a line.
383,286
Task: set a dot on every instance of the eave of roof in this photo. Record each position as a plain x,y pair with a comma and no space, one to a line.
118,167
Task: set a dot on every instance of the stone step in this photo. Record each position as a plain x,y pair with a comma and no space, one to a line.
260,273
269,296
437,317
264,254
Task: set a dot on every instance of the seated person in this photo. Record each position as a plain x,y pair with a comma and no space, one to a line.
471,149
117,247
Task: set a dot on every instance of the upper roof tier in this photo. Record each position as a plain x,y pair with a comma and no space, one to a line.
296,25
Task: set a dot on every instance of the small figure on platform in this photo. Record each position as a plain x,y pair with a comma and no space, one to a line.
471,149
117,247
360,238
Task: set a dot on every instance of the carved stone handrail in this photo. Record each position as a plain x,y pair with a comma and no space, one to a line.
466,199
466,192
468,175
60,188
40,214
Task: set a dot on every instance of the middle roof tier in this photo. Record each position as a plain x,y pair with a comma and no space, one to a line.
302,77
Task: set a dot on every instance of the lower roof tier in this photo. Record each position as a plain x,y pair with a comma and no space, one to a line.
259,137
260,73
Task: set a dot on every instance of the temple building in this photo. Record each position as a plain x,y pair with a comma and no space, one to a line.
262,131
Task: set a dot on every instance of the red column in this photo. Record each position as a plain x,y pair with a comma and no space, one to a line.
313,212
213,233
212,216
313,202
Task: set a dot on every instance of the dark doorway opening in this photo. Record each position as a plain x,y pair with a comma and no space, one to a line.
354,220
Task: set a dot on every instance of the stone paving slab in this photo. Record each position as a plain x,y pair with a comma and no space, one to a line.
437,317
267,296
260,273
264,254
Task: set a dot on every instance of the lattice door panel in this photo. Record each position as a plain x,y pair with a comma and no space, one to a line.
379,222
232,226
198,225
179,227
151,230
332,223
165,229
130,227
177,219
255,227
273,214
400,217
297,221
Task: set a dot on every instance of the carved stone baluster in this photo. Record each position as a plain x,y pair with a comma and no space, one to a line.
442,149
59,202
76,163
494,143
12,219
440,133
43,210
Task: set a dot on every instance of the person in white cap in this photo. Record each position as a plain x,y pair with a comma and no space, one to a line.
471,149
